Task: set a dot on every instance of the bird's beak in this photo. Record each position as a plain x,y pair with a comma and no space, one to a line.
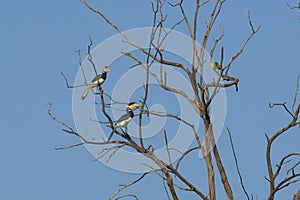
135,105
106,69
132,106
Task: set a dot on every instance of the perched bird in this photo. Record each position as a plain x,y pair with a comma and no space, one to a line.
97,81
125,119
215,65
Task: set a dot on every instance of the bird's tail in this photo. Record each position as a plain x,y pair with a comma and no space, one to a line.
86,92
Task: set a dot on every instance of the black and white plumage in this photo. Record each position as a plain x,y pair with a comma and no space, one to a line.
97,81
125,119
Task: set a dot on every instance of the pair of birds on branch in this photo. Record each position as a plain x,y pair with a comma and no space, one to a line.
124,119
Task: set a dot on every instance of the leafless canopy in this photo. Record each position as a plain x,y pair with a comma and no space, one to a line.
290,161
203,95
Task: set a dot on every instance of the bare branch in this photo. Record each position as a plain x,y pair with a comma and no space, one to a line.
271,105
286,182
164,86
107,150
279,166
184,155
254,31
160,114
90,58
294,7
127,195
70,147
146,87
129,41
184,15
165,187
216,41
49,109
296,93
80,64
167,147
124,186
237,166
289,179
68,129
67,82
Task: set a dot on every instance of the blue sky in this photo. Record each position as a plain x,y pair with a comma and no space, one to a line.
38,40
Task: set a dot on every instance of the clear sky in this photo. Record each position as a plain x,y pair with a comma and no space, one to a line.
38,40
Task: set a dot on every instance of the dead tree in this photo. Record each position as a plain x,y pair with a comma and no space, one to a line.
203,95
291,175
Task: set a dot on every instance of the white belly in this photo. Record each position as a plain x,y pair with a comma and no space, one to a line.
100,81
123,123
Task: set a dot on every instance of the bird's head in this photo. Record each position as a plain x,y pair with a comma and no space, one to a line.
132,105
106,69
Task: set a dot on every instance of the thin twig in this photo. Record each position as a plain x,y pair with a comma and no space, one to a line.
237,166
253,32
67,82
127,195
296,93
167,147
90,58
124,186
80,64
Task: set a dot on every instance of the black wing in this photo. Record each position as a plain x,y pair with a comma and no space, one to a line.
96,78
123,117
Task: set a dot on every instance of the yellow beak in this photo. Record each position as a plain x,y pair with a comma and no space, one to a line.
132,106
106,69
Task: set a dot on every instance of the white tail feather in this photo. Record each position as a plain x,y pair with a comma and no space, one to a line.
86,92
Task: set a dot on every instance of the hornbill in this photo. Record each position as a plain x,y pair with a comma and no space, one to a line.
96,82
125,119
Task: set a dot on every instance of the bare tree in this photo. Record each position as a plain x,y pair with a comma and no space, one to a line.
203,95
291,175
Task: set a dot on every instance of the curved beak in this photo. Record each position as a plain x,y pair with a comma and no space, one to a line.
106,69
132,106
